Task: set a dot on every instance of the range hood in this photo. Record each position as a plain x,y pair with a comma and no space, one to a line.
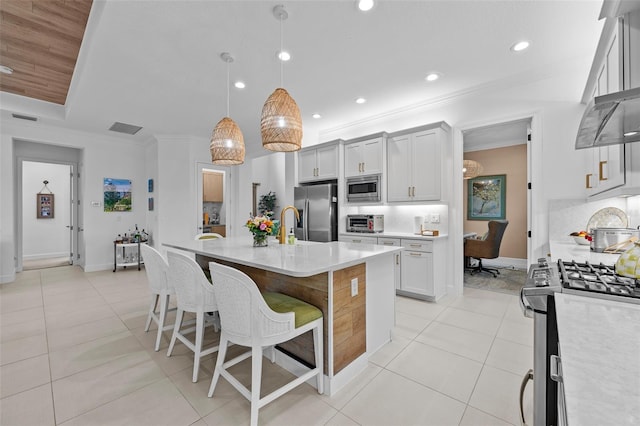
610,120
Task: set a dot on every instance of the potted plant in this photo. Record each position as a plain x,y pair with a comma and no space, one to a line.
267,204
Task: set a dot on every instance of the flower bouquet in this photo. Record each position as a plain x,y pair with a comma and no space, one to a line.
261,227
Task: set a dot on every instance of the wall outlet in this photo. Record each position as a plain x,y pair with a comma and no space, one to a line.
95,204
354,287
435,218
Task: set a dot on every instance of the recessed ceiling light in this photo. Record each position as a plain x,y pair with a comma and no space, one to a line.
632,133
284,55
361,100
520,46
239,85
365,5
6,70
433,76
316,115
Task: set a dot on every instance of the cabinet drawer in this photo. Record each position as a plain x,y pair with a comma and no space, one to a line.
417,245
358,240
385,241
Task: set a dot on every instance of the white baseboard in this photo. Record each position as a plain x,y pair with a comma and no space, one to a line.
8,278
506,262
99,267
44,255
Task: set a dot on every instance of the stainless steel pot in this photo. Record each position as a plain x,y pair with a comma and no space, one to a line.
603,238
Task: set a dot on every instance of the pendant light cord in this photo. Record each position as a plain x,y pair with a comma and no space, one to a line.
281,53
227,88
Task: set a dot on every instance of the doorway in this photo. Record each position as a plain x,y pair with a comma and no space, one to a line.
46,215
213,199
502,150
51,240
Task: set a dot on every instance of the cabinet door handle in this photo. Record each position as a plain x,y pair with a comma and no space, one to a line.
356,241
409,188
415,254
397,259
587,182
415,245
362,167
386,243
601,169
413,191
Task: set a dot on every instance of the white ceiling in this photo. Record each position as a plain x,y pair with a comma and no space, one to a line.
156,63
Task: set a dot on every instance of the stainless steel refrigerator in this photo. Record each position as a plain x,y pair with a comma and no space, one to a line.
318,208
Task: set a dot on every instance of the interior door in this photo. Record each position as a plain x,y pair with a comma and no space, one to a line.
73,252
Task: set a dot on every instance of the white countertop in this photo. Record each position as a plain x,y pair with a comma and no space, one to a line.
395,235
566,250
600,356
303,259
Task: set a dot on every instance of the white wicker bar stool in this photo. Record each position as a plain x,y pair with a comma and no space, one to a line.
194,293
249,318
156,268
208,236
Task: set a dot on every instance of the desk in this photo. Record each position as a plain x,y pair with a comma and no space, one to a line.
353,285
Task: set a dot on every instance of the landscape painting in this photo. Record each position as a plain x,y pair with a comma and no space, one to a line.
117,195
486,198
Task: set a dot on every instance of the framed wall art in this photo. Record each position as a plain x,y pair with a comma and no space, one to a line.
45,206
117,195
487,198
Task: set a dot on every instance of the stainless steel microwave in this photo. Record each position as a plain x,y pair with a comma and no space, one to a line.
363,189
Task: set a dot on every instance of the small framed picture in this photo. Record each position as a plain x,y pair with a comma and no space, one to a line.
150,204
150,183
44,206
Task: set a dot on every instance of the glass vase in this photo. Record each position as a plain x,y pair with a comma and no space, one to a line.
259,240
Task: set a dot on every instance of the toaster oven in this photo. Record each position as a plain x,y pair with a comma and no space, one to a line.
369,223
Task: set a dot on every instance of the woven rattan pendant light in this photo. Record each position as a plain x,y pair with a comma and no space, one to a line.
471,169
280,122
227,142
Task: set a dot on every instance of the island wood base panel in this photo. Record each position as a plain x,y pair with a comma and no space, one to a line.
348,313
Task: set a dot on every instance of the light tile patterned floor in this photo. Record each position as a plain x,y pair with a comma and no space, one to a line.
73,351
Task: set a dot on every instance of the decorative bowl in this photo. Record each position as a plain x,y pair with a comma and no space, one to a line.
581,241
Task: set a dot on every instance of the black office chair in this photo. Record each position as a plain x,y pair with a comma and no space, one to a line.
486,248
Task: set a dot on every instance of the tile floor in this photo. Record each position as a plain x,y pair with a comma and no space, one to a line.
74,352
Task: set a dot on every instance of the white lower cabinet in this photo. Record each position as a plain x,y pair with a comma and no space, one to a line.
422,269
385,241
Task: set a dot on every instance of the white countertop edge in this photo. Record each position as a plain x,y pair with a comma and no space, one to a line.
380,251
404,235
599,352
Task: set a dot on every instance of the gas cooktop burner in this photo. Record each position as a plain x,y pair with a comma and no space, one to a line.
597,278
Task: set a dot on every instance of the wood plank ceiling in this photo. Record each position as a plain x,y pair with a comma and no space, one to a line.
40,41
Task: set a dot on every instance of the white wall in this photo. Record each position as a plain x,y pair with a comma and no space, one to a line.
269,172
103,156
45,238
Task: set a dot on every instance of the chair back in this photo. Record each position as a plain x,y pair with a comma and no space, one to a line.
156,268
494,238
208,236
193,290
244,315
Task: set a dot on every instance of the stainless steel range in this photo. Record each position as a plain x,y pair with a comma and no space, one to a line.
537,301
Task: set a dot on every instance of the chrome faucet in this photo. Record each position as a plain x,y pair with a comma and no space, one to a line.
282,235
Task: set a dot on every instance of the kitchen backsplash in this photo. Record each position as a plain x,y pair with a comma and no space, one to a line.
402,218
566,216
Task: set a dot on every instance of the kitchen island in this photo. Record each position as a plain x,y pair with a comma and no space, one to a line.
353,285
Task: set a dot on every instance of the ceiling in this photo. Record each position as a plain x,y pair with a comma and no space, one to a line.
40,41
156,64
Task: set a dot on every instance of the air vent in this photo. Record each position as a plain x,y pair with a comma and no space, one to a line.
129,129
24,117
